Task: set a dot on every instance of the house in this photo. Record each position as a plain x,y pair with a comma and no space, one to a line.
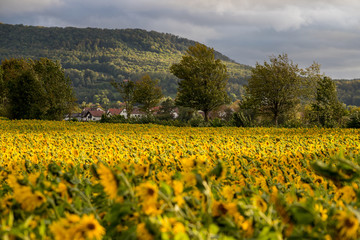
155,110
93,115
72,116
137,113
115,111
175,113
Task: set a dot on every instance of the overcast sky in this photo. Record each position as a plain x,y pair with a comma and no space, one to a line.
247,31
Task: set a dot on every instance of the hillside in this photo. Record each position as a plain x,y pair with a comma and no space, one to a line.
349,91
92,57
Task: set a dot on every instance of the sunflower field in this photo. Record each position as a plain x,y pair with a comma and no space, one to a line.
66,180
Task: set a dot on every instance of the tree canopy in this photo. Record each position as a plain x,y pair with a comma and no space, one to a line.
35,89
275,88
203,80
147,93
126,88
327,110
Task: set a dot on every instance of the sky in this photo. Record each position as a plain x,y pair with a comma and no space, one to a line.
247,31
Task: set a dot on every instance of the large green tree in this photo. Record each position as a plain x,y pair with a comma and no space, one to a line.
327,110
203,80
59,94
126,88
276,87
147,93
2,92
36,89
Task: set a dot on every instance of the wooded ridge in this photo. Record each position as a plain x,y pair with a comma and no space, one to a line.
92,57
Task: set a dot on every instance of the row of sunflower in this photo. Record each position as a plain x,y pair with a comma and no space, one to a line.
62,180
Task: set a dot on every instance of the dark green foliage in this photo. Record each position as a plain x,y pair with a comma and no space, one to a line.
348,91
2,92
240,119
35,90
327,109
147,93
26,97
126,89
167,108
203,80
354,121
274,88
57,88
92,57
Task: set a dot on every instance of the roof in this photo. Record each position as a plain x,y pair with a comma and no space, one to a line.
115,111
137,111
157,108
96,113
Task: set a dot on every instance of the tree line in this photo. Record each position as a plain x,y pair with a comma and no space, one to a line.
278,93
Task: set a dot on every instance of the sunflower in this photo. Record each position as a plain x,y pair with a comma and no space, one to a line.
178,187
178,228
259,203
142,233
190,179
90,227
108,181
151,208
65,228
28,200
228,193
222,209
347,226
322,212
147,192
142,169
74,227
63,191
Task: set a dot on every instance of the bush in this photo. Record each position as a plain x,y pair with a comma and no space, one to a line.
354,121
241,120
217,122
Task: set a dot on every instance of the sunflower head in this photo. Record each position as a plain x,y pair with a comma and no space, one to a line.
347,225
147,192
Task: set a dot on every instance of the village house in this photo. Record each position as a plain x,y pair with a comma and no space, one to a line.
73,116
93,115
115,112
136,113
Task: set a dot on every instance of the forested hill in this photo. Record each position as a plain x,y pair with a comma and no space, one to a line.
92,56
349,91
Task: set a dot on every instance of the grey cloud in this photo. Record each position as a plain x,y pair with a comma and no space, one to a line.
10,7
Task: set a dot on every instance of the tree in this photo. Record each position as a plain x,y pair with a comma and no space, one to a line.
59,95
102,98
327,109
147,93
275,88
36,89
126,89
167,108
2,92
26,98
203,80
